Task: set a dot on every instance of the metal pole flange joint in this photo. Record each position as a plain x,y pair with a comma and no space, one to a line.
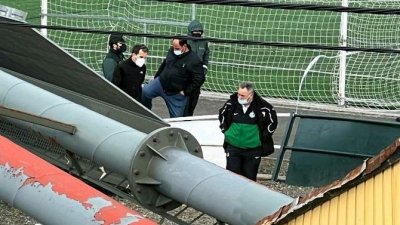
141,183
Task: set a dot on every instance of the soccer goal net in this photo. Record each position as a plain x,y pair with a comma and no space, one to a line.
355,79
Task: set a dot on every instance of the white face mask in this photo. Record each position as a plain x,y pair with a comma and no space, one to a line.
177,52
242,101
140,62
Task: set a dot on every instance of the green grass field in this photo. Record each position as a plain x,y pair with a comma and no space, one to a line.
276,71
30,6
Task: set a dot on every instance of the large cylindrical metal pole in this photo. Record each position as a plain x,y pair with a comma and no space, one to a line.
164,164
97,138
215,191
163,167
52,196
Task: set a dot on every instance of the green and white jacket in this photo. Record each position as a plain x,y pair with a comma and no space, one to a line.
252,129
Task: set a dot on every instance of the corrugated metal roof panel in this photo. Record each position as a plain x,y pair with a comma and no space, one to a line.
370,194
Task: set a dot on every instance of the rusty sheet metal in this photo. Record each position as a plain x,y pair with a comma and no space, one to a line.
28,181
318,196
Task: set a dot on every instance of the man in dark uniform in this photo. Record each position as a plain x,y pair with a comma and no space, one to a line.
115,55
129,74
179,75
248,122
200,47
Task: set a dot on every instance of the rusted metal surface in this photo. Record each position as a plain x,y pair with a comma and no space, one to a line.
54,197
303,205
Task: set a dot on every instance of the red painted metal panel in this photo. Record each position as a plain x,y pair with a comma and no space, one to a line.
35,170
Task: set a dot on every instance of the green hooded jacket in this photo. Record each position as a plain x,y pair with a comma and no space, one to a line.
200,47
110,62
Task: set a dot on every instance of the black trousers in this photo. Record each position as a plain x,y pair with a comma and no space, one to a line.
242,162
192,102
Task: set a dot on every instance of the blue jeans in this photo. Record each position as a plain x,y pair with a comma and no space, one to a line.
176,103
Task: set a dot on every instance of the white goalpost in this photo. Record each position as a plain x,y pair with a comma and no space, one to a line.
356,81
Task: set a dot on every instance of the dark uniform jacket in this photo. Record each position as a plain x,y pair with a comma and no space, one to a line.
129,78
184,72
110,62
264,116
199,46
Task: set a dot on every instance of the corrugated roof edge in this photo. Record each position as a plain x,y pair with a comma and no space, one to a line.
370,167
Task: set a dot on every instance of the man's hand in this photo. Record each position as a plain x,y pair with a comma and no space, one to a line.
182,93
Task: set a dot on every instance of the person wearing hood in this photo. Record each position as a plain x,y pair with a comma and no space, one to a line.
129,75
180,73
248,122
115,55
200,47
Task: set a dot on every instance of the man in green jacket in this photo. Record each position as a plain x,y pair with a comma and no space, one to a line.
115,55
248,122
200,47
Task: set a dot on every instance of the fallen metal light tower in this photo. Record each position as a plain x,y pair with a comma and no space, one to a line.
164,167
52,196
